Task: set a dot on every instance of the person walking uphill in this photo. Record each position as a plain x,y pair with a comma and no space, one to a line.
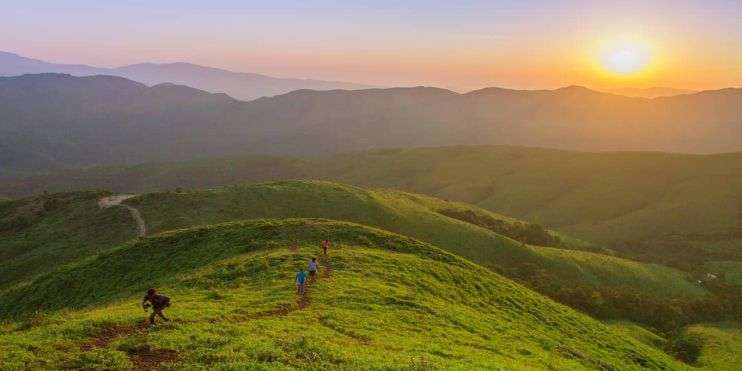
301,282
313,269
158,302
325,244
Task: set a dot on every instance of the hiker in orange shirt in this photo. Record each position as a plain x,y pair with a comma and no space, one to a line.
325,244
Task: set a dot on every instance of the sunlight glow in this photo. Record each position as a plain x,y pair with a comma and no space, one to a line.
625,58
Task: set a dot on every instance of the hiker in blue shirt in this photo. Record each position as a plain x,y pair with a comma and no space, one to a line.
301,282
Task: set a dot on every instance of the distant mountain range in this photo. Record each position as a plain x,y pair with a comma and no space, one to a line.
244,86
52,121
240,85
654,92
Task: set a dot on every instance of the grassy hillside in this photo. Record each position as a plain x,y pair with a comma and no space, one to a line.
662,207
639,333
588,281
712,346
601,197
413,215
721,345
623,272
381,301
152,177
420,217
39,233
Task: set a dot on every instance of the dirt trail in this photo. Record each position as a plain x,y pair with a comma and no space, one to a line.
118,200
324,260
106,335
142,359
302,301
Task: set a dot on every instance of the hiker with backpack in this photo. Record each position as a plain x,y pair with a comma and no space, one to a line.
158,302
313,269
301,282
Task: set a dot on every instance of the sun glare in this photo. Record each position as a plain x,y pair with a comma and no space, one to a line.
625,58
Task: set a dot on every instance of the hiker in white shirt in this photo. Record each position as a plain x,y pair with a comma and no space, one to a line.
313,268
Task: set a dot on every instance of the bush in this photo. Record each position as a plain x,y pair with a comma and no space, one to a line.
529,233
686,347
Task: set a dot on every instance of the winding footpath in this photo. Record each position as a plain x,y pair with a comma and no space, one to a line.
118,200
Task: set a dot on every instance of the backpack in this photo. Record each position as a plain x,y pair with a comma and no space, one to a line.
160,301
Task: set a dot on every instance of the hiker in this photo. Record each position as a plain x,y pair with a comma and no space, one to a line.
313,269
325,245
158,302
301,281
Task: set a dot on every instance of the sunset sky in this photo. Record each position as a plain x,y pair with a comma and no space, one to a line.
453,44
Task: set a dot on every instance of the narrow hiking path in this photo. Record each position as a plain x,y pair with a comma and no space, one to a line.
324,261
118,200
151,359
303,301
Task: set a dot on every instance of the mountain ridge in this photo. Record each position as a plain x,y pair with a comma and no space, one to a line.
78,119
241,85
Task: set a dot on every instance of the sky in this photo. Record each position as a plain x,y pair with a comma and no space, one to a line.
453,44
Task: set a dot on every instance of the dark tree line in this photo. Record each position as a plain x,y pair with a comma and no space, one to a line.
665,315
530,233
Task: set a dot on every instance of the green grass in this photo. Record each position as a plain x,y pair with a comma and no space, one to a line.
78,229
639,333
394,211
721,345
619,199
390,303
411,215
594,268
40,233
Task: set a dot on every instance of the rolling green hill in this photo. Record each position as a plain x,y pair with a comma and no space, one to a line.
39,233
721,345
417,216
609,198
712,346
639,333
77,228
670,208
381,301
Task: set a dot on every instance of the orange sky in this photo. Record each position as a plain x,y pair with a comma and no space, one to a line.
463,44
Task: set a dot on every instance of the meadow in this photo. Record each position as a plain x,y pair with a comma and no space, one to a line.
381,301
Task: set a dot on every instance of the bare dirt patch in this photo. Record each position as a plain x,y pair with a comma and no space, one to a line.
151,359
108,334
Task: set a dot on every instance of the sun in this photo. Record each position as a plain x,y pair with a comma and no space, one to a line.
625,58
